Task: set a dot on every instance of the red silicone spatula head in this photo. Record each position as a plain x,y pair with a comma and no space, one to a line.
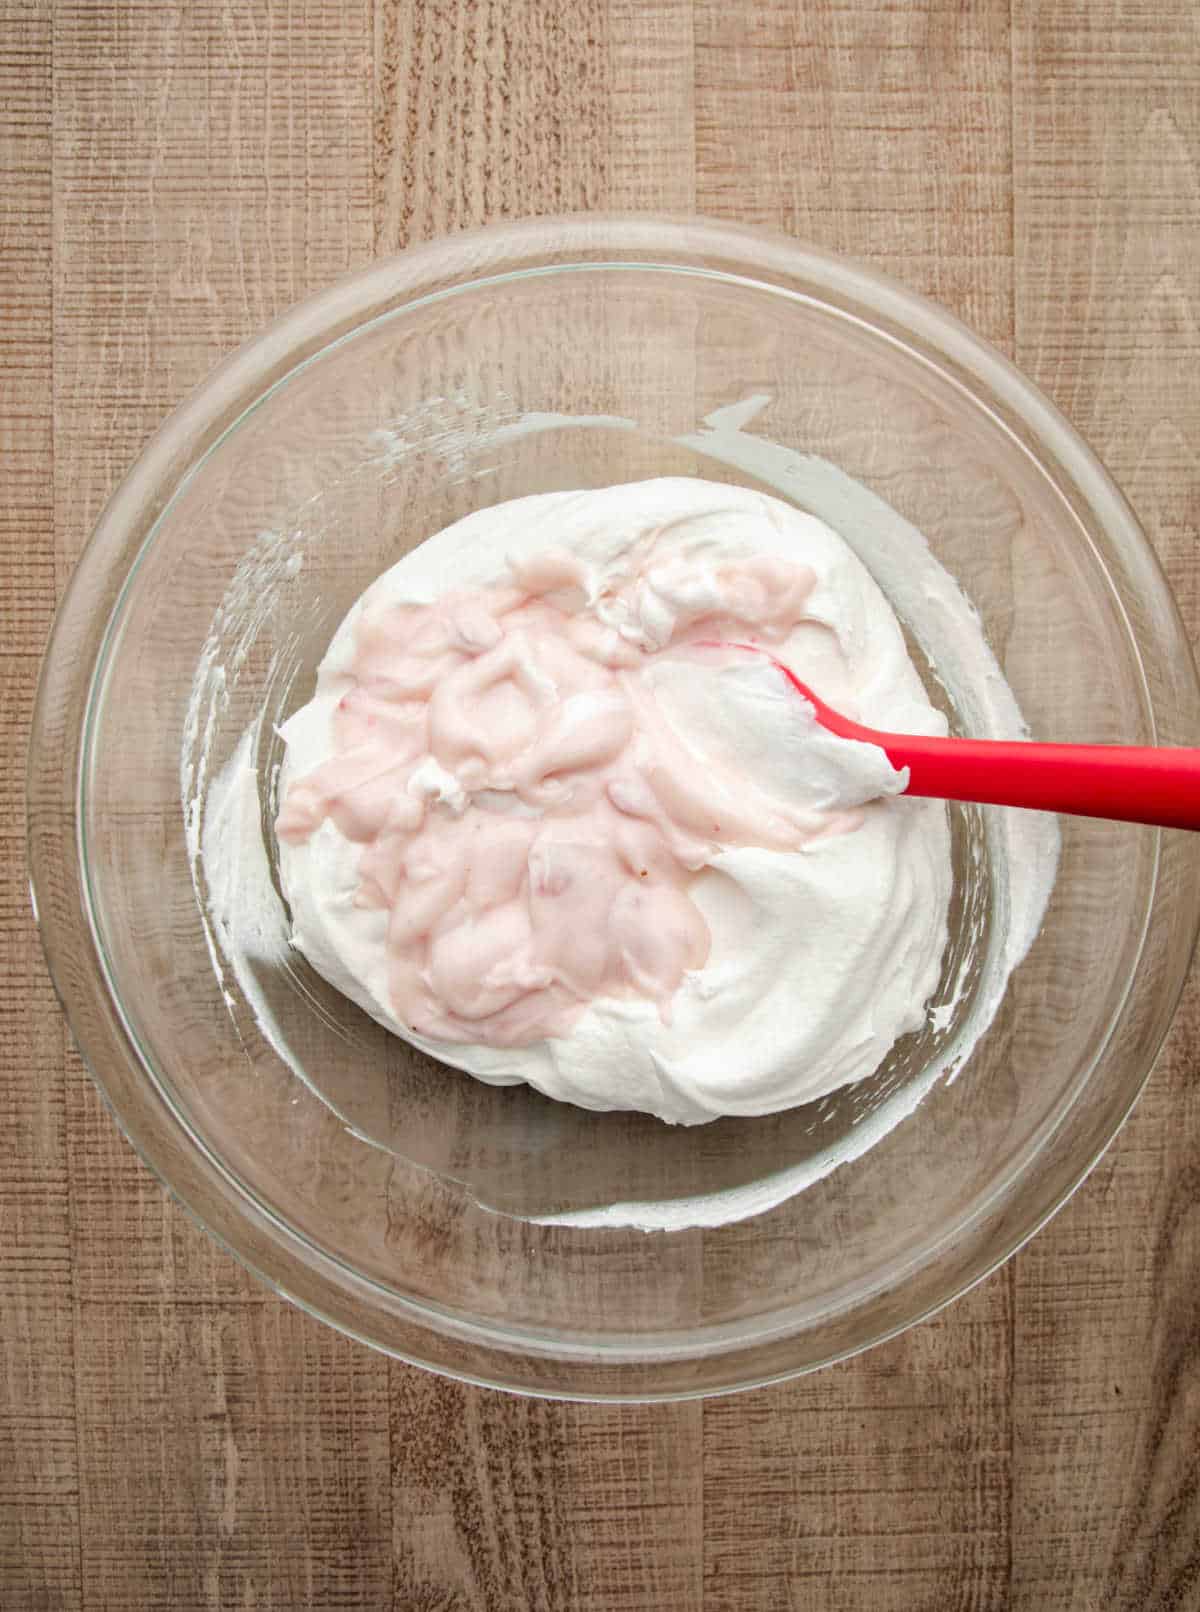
1132,784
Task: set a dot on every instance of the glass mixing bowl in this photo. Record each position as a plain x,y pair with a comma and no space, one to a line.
404,1202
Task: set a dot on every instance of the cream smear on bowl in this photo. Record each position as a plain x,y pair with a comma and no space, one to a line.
934,609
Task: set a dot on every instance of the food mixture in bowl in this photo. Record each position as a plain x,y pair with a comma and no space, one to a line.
545,819
489,1230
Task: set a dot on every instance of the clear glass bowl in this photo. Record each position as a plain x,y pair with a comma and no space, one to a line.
389,1195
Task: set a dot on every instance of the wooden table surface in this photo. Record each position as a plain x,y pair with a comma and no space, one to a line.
173,173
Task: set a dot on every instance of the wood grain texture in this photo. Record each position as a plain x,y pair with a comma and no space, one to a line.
882,1483
211,164
533,1504
537,1505
884,132
489,109
230,1455
1106,1394
39,1477
171,175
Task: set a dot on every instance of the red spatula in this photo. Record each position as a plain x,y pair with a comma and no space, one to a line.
1134,784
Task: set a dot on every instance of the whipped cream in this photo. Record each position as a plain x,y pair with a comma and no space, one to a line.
534,823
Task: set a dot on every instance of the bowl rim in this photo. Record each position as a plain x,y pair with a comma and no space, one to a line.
240,383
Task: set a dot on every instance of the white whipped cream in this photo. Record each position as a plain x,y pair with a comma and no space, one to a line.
821,954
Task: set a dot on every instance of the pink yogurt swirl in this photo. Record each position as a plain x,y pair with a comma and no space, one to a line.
529,821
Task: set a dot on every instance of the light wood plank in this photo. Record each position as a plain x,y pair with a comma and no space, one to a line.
883,132
39,1480
211,165
512,1505
233,1456
880,131
880,1483
487,111
1107,1387
493,109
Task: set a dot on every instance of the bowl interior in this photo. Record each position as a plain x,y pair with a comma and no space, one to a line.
423,1189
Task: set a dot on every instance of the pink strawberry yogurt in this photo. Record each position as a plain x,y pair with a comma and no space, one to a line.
534,822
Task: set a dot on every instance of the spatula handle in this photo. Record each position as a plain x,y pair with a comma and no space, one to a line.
1132,784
